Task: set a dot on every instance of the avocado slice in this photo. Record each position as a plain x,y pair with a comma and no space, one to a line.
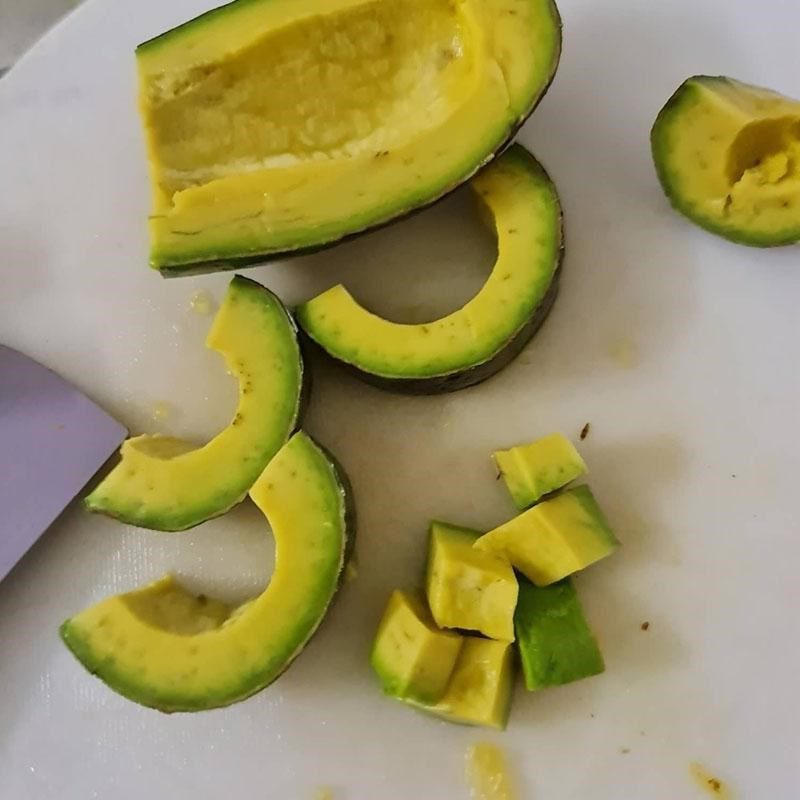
412,657
555,643
479,692
554,538
165,648
728,157
468,588
170,485
533,470
274,128
473,343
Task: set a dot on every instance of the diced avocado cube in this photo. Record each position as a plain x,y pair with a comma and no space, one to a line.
479,692
533,470
412,657
554,538
555,643
467,588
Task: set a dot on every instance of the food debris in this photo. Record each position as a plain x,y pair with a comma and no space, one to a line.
624,750
201,302
708,782
645,626
585,430
624,353
161,411
323,793
487,773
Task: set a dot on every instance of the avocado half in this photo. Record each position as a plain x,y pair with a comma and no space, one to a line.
170,485
166,648
274,128
728,157
473,343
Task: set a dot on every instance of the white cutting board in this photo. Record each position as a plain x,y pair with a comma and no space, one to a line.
681,350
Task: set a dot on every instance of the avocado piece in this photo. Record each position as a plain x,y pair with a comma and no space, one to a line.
171,485
275,128
533,470
412,657
479,692
555,643
473,343
468,588
554,538
165,648
728,157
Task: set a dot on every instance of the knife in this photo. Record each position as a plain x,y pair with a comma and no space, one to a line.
53,439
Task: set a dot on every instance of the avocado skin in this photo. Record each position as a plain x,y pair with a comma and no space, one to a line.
459,379
657,136
223,264
162,701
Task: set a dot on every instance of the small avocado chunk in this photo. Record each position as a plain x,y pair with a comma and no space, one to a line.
479,692
276,127
555,643
412,657
166,648
467,588
477,340
533,470
554,538
728,157
170,485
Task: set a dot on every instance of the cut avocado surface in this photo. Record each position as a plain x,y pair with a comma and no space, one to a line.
555,538
533,470
165,648
479,692
468,588
274,127
474,342
728,157
555,643
170,485
412,657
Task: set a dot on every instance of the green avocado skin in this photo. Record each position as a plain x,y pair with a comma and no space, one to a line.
555,643
169,701
669,117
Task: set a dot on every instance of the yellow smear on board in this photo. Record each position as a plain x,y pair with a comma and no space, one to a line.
161,411
624,352
487,774
323,793
201,302
710,784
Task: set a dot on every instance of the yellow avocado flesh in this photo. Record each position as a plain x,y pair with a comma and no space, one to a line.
479,692
533,470
523,208
469,588
554,538
273,125
168,484
163,647
412,657
728,156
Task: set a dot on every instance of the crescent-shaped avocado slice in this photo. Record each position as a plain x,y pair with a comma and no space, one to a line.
476,341
277,127
163,647
728,157
170,485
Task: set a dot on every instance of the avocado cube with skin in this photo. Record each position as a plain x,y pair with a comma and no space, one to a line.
412,657
479,692
554,538
533,470
468,588
556,645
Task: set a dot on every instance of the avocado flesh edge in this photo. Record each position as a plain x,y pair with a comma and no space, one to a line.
523,166
110,668
541,20
215,492
727,155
